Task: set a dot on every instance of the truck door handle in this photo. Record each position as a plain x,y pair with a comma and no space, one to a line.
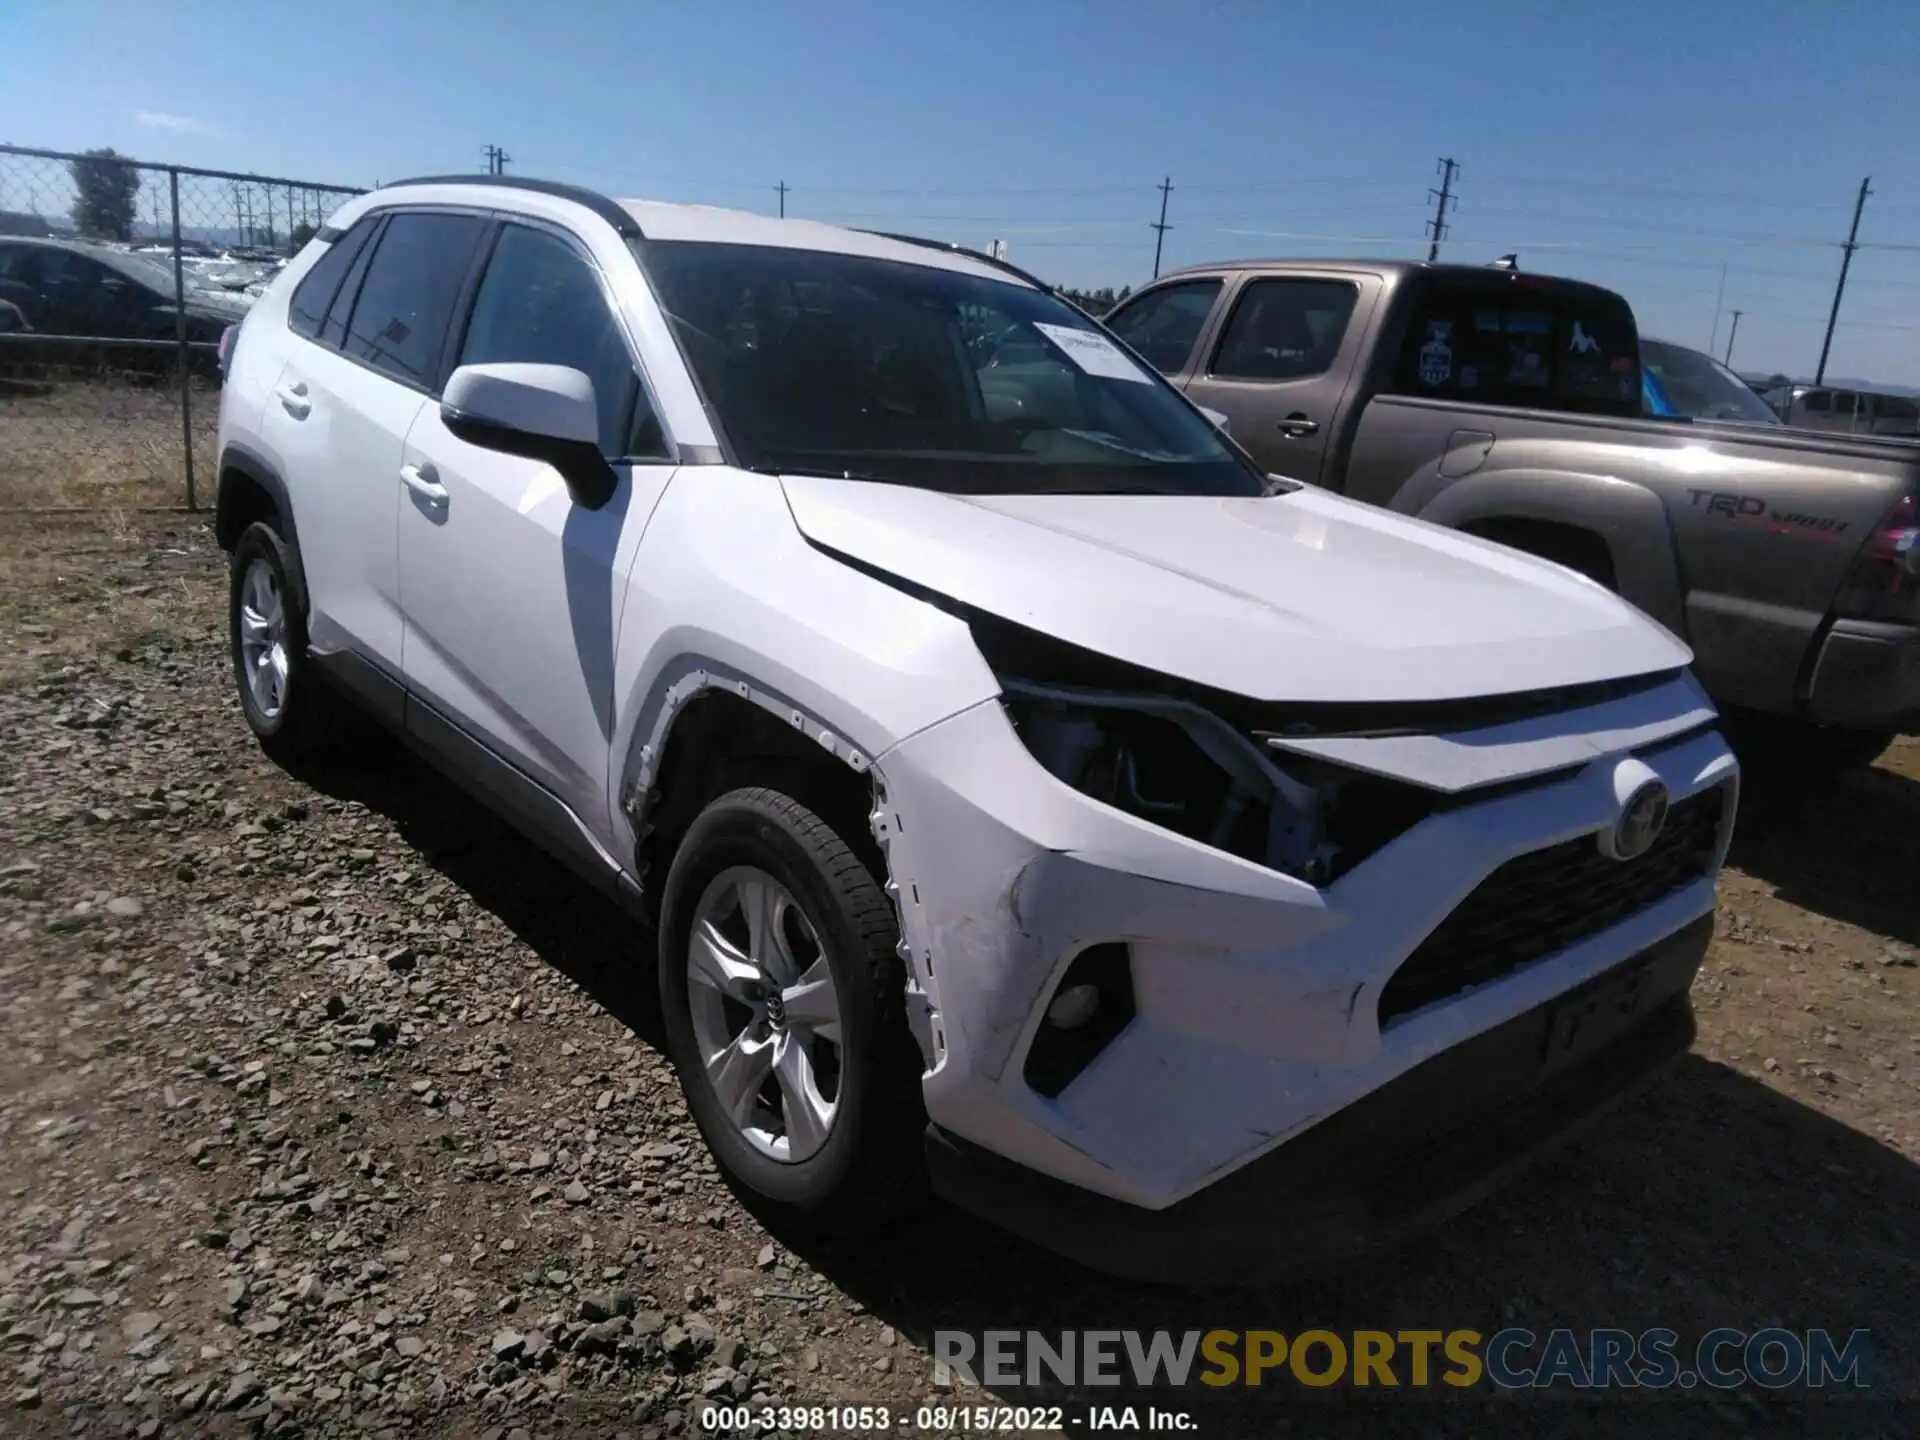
1298,427
419,479
293,399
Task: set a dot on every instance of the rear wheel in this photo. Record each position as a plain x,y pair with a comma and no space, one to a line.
781,991
285,705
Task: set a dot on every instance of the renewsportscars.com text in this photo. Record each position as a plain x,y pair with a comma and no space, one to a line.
1510,1359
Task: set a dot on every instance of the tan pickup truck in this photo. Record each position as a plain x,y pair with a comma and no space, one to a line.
1509,405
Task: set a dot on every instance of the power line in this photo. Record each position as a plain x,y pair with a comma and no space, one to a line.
1437,227
1840,286
1161,227
1733,331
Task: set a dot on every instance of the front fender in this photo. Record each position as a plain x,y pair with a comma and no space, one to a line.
726,592
1629,518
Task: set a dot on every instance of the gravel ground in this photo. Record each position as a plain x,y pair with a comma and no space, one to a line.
328,1106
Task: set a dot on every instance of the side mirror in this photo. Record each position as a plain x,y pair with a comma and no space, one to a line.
538,412
1218,419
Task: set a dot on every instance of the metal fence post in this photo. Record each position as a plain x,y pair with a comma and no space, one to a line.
180,338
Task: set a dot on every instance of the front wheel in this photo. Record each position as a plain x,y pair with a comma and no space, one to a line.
781,991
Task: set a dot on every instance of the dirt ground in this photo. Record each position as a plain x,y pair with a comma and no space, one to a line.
328,1106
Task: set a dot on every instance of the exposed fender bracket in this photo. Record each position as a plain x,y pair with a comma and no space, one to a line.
679,687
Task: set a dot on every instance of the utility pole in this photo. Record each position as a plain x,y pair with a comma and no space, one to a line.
1728,362
1160,227
1846,259
1437,226
1719,308
497,160
782,188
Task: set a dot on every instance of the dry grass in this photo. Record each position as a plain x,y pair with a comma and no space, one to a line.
106,442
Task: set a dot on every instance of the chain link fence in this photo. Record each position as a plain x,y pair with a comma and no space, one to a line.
117,279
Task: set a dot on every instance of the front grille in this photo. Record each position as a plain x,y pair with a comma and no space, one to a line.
1540,903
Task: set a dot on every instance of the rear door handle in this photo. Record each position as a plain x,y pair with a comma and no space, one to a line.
1298,427
419,479
293,399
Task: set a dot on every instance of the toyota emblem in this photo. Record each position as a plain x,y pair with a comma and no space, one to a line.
1641,819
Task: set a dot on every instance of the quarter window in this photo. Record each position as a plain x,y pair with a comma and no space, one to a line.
314,294
399,321
541,304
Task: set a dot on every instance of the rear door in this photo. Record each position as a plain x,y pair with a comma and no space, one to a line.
1280,365
362,362
511,590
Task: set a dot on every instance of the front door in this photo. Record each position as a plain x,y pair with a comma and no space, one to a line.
1280,367
512,592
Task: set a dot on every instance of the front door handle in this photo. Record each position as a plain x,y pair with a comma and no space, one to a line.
293,399
1298,427
419,479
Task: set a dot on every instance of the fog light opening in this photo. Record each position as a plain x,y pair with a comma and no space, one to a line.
1089,1008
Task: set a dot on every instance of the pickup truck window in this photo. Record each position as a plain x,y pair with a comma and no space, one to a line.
1541,345
1285,330
914,374
1163,324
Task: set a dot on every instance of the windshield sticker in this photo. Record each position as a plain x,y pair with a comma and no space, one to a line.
1436,356
1093,353
1582,343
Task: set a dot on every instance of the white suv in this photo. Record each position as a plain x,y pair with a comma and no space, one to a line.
1182,867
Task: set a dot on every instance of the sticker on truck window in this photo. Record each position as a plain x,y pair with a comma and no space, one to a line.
1436,356
1093,353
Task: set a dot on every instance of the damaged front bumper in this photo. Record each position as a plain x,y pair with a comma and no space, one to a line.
1256,999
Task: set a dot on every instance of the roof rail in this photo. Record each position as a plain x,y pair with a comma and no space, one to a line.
952,249
615,215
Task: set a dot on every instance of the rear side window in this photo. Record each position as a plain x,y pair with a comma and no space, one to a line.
1285,330
399,320
542,304
1163,325
1896,407
1542,346
314,294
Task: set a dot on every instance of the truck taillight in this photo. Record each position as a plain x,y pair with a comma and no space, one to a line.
1885,581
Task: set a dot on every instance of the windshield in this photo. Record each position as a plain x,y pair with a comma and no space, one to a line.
917,375
1683,382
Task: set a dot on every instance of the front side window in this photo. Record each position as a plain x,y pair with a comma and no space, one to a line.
400,319
916,374
1543,344
1285,330
1163,325
540,303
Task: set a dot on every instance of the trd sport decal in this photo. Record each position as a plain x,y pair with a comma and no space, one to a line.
1748,507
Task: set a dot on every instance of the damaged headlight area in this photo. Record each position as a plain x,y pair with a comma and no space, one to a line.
1179,766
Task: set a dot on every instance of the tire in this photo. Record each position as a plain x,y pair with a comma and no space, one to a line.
1798,748
870,1162
291,712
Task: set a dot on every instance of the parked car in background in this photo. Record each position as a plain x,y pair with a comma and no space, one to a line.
75,288
1854,412
1192,871
1512,406
1679,383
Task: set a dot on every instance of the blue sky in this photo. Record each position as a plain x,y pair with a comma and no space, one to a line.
1640,145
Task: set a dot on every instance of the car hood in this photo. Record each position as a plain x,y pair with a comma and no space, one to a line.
1299,596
